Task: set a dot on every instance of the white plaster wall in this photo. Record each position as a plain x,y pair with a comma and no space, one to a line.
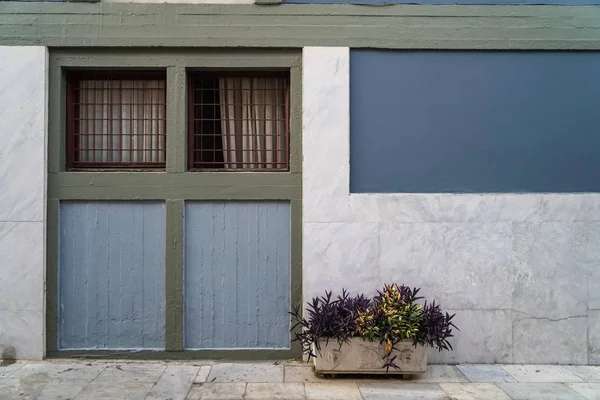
23,88
521,271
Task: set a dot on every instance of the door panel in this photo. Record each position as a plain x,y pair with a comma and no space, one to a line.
237,275
112,275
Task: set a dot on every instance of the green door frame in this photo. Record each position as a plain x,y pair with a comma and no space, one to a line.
175,185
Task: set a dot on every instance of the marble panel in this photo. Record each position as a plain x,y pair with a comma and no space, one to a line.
340,255
461,265
23,91
544,341
22,266
552,262
594,337
326,119
23,332
485,336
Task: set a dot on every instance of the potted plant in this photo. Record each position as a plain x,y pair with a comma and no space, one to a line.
388,333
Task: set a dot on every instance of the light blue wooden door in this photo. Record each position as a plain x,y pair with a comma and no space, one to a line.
237,275
111,275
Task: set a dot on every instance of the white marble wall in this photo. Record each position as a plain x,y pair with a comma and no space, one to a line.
23,88
521,271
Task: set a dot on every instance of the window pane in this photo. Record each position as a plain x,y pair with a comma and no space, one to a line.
239,122
118,122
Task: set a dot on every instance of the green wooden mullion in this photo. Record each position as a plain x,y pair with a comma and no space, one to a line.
52,254
174,276
176,119
296,119
56,125
296,264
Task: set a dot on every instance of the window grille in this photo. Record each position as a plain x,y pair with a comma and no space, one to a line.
239,122
116,120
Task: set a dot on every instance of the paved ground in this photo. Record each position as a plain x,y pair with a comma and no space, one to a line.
68,379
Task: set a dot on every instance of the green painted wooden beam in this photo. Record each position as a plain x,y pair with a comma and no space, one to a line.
295,26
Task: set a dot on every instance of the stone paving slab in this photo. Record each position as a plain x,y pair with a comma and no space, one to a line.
332,391
40,387
115,390
217,391
133,372
586,372
7,370
280,391
85,380
255,373
300,374
202,375
485,373
541,373
174,383
474,391
440,373
402,391
589,391
77,371
540,391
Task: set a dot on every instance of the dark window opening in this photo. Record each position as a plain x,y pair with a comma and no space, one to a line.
116,119
239,122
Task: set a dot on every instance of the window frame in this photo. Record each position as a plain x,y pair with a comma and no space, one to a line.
73,77
233,73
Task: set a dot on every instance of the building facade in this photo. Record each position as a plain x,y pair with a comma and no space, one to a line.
177,176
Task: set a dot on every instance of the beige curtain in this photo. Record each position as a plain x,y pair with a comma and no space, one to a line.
253,122
122,121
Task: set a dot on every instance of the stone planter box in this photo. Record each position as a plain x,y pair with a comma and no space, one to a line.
364,357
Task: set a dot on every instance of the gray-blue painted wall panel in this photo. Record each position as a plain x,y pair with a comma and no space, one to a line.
449,2
426,122
111,275
237,275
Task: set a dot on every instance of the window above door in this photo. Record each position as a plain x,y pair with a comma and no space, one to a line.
116,119
238,121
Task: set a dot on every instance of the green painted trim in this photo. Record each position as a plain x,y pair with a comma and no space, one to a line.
176,119
266,192
296,262
294,26
174,276
238,355
52,246
268,2
173,185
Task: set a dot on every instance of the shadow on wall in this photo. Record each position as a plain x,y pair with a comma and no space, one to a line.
8,355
